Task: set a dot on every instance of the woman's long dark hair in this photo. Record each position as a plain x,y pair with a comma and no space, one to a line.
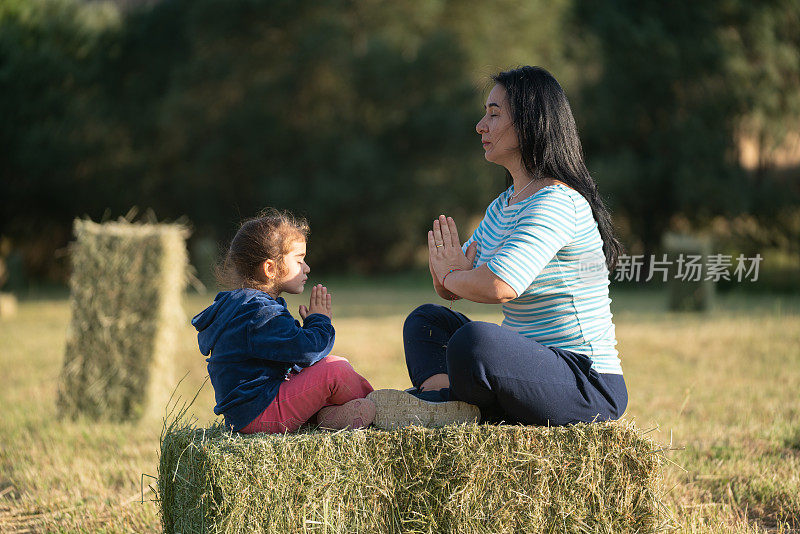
549,142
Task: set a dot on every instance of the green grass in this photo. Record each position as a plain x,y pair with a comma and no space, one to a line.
721,386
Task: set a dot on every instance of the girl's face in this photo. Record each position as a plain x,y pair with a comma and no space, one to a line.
295,270
496,129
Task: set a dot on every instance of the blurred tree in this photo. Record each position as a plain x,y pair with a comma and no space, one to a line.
678,83
274,104
762,43
360,114
46,49
660,117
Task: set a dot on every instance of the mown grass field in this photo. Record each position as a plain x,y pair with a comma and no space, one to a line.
722,387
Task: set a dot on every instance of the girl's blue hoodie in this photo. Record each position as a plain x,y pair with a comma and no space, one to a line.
253,342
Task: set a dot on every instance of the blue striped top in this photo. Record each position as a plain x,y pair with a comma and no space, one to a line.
548,249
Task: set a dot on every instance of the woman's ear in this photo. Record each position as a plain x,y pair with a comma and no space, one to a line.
270,270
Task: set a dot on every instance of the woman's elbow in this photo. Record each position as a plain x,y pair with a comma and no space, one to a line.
495,290
498,295
503,292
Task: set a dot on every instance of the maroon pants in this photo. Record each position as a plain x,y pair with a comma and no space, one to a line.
329,382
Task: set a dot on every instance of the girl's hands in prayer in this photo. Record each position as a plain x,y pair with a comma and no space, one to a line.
321,302
444,249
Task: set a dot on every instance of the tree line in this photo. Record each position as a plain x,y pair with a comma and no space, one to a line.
360,115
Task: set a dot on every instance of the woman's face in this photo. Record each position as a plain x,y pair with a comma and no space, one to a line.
500,143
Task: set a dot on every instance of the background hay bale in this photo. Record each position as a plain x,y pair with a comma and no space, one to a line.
466,479
126,289
689,295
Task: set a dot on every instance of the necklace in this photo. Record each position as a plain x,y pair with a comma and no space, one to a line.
520,191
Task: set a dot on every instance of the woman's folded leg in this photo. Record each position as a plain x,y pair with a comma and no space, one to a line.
426,333
522,381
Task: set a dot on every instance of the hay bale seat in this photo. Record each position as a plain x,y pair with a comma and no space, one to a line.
470,478
125,300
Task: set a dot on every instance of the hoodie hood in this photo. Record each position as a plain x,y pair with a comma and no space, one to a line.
211,322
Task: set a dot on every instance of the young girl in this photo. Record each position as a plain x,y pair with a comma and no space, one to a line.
269,373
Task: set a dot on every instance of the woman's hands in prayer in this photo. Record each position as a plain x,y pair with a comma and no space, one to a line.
478,285
444,249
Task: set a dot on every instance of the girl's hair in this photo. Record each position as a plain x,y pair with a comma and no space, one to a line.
549,142
267,236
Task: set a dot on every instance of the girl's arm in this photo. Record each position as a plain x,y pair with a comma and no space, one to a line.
280,338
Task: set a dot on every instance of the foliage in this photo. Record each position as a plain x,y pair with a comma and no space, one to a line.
47,52
662,120
360,114
678,84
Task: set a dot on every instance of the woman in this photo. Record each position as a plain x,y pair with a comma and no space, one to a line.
544,250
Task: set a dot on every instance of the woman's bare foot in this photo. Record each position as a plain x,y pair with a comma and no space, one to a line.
439,381
357,413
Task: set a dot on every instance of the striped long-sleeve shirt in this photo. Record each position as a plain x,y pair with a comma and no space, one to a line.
548,249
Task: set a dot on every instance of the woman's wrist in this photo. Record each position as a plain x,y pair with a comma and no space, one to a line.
451,271
446,294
